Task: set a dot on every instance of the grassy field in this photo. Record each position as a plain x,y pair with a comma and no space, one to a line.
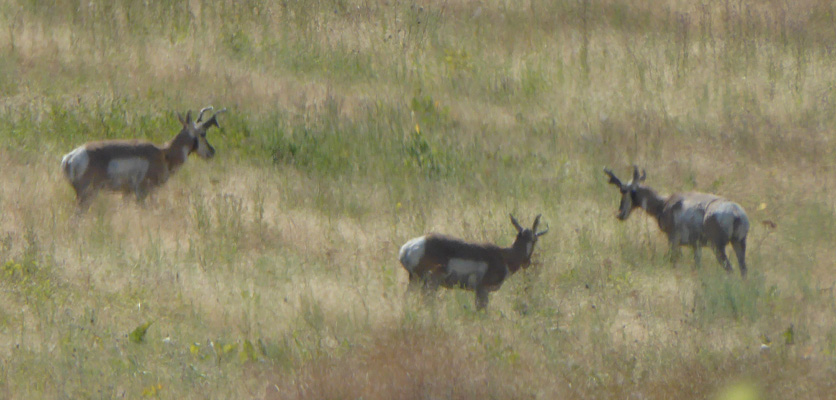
271,271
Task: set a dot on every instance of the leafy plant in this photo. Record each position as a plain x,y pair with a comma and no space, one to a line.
138,334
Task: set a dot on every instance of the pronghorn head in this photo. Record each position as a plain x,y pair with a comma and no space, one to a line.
526,238
629,197
196,132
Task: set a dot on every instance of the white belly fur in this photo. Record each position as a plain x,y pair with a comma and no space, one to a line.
127,171
468,272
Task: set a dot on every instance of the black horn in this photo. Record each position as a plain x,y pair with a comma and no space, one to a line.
613,179
203,110
516,224
536,222
213,120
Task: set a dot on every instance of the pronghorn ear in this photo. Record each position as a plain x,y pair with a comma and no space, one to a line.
516,224
187,122
536,222
636,176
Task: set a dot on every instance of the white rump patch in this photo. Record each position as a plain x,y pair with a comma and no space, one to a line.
124,171
75,163
411,252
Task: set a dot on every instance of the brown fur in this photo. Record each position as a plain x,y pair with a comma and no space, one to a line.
433,268
163,160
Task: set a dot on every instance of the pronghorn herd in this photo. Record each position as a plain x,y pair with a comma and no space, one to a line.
688,219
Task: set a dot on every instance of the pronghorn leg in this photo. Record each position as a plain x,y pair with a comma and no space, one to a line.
740,249
414,283
140,190
430,286
84,196
720,252
697,255
431,282
674,253
481,298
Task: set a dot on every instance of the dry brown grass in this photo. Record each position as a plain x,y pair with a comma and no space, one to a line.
281,274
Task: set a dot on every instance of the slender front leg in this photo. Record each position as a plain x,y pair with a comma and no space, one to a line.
84,195
675,252
431,283
697,255
414,283
141,189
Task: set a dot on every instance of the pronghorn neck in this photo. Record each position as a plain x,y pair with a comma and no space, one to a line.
177,150
515,256
650,201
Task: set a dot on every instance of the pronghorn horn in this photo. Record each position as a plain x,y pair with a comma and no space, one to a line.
213,120
613,179
203,110
543,232
516,224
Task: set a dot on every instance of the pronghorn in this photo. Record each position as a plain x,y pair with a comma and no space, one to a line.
441,260
689,219
134,165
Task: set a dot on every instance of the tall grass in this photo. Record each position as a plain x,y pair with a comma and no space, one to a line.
271,271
